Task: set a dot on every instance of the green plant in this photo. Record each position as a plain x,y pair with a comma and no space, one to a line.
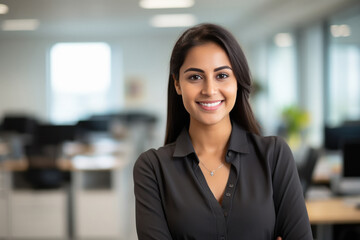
295,119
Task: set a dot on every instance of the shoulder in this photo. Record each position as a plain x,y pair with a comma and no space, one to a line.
152,157
273,148
268,143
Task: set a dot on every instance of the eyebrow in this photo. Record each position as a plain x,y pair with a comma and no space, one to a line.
202,71
221,68
194,70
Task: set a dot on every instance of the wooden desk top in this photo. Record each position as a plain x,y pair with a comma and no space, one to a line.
90,163
86,163
333,211
104,155
14,165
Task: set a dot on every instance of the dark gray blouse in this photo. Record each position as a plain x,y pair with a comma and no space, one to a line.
263,198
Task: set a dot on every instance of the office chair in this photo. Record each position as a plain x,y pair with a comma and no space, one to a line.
43,153
42,172
307,169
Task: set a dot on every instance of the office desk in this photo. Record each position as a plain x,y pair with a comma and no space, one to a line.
337,210
105,162
333,211
18,165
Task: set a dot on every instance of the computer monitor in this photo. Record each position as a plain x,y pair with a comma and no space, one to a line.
93,125
351,159
335,137
48,134
18,124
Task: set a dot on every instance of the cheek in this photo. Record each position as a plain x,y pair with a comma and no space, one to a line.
187,99
231,92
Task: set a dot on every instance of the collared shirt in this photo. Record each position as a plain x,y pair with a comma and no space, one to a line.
262,200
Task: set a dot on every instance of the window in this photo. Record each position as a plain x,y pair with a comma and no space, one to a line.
343,83
275,70
80,80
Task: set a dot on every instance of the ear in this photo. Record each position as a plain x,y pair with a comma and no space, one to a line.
177,85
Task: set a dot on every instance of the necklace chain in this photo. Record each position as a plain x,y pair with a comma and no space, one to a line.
212,172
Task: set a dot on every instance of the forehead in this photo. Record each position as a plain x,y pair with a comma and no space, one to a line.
206,55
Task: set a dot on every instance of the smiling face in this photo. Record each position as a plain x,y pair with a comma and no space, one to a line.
207,84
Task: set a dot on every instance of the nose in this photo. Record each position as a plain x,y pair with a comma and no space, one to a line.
209,88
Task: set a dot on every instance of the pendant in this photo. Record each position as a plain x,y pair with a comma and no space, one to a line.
212,173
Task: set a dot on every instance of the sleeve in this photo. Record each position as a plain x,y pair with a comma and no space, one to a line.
150,218
292,221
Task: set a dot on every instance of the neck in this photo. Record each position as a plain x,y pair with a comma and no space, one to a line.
210,138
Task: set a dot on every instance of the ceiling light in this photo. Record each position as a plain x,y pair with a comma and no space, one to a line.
156,4
340,30
283,40
173,20
20,25
3,9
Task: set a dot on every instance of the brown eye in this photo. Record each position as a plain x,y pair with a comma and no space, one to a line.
195,77
222,76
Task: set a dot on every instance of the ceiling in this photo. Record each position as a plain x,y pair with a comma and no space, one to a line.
248,18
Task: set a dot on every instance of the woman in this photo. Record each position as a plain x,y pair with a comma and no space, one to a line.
216,177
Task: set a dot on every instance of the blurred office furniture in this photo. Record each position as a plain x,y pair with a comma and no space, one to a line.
40,214
42,172
42,155
89,129
75,180
18,130
140,126
32,214
21,124
307,168
334,137
351,159
97,196
98,189
348,183
37,191
330,164
334,210
330,212
337,215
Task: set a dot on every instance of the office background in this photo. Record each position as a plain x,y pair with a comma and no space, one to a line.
304,56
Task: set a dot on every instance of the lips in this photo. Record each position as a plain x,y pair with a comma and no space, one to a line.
210,105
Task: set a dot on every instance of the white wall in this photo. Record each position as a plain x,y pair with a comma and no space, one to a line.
23,76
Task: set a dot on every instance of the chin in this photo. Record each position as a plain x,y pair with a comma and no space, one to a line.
212,120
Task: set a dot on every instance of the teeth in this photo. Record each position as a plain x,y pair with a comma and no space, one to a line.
210,104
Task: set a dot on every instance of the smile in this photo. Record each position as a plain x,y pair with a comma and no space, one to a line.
210,105
213,104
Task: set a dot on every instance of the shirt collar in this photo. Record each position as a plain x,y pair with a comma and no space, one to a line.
183,146
238,142
238,139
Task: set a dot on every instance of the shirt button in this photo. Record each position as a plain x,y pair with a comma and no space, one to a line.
228,194
225,214
231,185
229,154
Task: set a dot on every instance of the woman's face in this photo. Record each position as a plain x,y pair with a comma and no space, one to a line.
207,84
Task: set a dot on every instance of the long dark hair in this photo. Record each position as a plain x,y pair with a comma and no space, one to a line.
177,116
